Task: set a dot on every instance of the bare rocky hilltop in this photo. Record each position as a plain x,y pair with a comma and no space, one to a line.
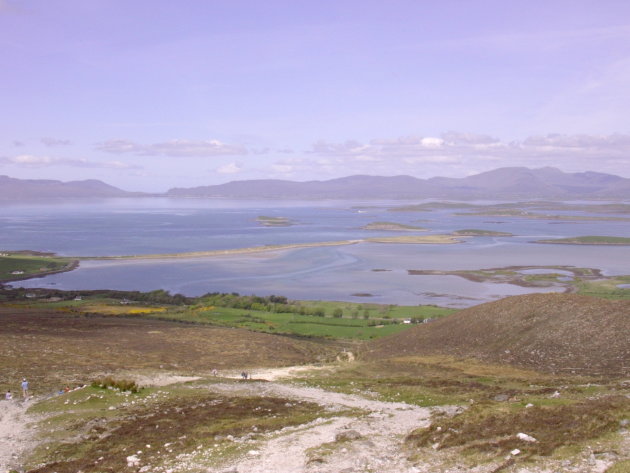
561,333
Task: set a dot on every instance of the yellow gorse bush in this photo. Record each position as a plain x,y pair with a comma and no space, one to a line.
205,308
146,310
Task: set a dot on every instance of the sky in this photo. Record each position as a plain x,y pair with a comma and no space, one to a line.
148,95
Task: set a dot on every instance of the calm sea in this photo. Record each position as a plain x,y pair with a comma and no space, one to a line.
378,272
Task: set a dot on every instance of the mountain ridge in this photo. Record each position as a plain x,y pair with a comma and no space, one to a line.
501,183
12,189
512,182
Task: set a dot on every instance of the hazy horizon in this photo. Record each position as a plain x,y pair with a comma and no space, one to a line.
150,95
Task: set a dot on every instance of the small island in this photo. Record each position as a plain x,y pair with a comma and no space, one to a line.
392,226
519,213
476,232
274,221
417,240
589,240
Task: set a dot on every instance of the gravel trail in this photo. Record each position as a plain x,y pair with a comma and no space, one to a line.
369,441
15,433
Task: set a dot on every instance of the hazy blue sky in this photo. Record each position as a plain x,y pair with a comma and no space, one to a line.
152,94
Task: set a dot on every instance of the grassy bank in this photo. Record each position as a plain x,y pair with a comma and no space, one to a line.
15,266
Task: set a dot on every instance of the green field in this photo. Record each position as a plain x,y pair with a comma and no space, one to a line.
18,265
273,314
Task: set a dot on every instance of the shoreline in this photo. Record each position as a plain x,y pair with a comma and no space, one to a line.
428,239
210,253
71,266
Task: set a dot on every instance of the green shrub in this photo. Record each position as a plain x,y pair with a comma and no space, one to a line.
121,384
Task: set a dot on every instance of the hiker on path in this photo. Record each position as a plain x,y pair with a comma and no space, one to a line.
8,396
25,388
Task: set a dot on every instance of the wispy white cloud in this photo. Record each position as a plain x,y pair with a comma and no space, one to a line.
173,148
230,168
34,161
51,142
465,153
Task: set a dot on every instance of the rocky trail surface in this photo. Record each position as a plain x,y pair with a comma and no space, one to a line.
360,435
15,432
367,435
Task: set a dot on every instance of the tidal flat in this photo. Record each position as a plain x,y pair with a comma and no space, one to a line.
195,247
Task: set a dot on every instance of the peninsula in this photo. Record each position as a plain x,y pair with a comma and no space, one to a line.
589,240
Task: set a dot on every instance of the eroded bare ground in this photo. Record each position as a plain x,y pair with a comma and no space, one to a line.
370,439
309,419
273,424
16,433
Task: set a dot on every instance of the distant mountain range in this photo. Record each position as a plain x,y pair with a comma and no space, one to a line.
502,184
39,189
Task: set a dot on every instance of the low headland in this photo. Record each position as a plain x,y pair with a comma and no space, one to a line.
588,240
26,264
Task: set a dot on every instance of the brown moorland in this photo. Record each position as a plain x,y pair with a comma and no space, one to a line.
53,348
558,333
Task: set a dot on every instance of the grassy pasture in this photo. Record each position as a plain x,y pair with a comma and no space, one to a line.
356,321
28,265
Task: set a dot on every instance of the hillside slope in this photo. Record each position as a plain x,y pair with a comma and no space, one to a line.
36,189
560,333
70,348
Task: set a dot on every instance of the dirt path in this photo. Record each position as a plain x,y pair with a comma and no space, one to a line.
369,441
15,433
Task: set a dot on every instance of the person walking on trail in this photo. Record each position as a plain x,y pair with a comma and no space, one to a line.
8,396
25,388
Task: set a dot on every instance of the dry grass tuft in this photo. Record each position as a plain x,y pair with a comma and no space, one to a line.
495,432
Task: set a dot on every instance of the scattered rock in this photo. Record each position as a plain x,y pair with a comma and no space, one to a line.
525,437
133,460
348,435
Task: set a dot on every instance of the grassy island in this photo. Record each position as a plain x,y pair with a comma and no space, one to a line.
274,221
589,240
538,216
392,226
426,239
475,232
